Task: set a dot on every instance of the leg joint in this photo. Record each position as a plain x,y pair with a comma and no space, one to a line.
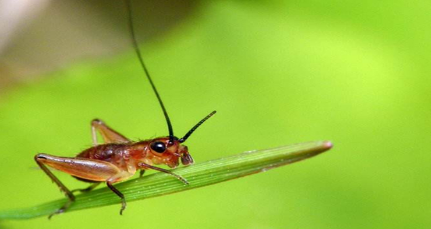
39,156
96,121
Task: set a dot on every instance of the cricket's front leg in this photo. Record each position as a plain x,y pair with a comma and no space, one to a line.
88,169
143,165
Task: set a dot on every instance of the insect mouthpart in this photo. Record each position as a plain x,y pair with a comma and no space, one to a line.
186,158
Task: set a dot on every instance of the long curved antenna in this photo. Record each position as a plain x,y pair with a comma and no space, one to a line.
138,52
183,139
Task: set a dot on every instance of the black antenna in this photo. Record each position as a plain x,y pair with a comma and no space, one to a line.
138,52
183,139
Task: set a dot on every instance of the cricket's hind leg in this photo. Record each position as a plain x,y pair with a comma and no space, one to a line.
84,168
39,160
109,135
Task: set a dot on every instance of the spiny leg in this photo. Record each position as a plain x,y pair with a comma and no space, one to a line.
141,172
109,135
63,188
144,165
84,168
91,187
116,191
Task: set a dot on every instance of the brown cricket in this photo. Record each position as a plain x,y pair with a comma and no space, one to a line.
119,158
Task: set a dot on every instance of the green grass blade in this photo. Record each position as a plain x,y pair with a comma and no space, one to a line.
198,175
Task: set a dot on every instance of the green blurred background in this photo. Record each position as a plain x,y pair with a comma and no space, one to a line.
278,73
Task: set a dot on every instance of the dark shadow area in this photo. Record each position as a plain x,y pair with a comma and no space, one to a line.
68,31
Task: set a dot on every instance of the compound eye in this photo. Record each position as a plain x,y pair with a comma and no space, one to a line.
159,147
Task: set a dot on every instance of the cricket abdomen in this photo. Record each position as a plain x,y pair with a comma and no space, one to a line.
113,153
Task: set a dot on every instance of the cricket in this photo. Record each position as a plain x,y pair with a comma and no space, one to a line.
119,158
